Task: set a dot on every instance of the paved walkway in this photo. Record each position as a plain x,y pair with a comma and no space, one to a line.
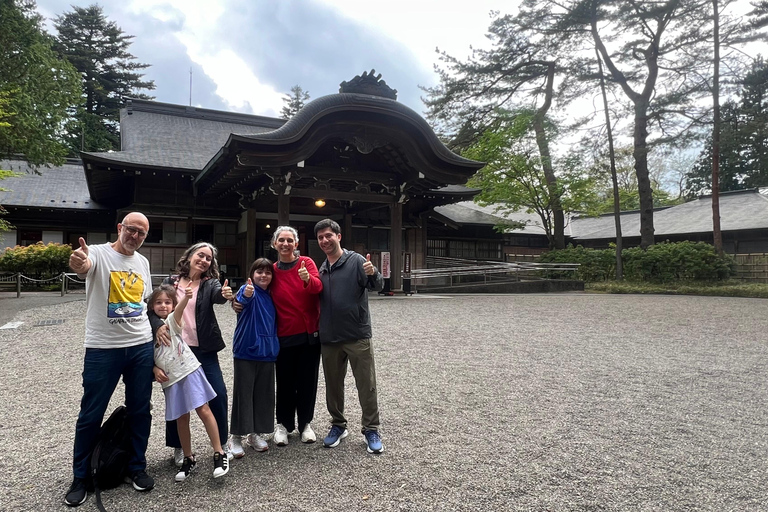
514,402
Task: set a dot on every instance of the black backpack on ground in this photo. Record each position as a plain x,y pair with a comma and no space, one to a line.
111,454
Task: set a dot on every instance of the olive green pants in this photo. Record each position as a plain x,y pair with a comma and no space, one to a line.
360,356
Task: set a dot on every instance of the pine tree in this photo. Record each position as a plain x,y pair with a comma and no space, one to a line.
294,102
98,49
37,87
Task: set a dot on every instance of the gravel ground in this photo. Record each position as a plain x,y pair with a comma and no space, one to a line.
516,402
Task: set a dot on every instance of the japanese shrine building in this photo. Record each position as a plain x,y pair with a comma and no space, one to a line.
359,157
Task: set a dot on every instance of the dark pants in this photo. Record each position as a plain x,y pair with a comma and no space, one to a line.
102,369
359,354
253,397
209,361
297,371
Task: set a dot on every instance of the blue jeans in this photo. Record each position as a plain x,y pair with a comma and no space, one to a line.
102,369
209,361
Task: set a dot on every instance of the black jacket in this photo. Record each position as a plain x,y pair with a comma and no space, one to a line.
208,332
344,313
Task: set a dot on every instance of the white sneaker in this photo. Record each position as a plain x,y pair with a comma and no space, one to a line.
257,443
234,448
178,457
281,435
308,435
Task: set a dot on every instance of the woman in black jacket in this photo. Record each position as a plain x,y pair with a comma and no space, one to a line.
199,269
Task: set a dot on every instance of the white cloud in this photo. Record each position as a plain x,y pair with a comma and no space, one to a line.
236,84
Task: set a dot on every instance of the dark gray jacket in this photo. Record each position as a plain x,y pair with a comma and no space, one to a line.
344,313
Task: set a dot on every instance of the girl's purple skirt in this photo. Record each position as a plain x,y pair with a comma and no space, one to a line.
187,395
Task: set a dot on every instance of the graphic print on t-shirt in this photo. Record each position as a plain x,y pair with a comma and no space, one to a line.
126,290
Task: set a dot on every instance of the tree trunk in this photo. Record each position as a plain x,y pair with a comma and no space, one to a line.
640,154
717,235
558,221
614,178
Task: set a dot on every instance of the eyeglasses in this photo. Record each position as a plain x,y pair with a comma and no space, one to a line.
134,231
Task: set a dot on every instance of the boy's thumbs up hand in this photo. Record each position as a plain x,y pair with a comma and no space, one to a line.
248,288
368,267
303,272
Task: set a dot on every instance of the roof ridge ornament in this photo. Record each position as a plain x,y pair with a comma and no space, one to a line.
369,83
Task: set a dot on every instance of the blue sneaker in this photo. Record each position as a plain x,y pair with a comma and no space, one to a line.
334,437
374,441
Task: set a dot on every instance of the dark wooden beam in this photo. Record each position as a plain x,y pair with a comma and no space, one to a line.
343,196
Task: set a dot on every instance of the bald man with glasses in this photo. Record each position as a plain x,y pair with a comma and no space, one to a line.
118,343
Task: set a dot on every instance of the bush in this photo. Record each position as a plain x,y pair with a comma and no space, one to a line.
661,263
38,261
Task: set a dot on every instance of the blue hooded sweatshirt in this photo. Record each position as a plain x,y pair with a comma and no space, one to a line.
256,332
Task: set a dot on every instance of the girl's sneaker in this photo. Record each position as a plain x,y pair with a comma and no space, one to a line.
235,447
220,464
257,443
186,468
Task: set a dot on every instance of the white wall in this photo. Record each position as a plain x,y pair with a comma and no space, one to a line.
7,239
56,237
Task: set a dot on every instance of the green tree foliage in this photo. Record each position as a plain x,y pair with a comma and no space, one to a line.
475,94
294,101
37,87
39,260
629,196
514,177
743,139
98,49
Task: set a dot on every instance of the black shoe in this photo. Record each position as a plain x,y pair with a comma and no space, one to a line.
142,481
186,468
76,494
220,464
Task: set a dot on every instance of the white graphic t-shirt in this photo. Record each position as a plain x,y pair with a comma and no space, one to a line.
176,360
115,289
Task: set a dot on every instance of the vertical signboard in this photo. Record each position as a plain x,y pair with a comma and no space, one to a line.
385,267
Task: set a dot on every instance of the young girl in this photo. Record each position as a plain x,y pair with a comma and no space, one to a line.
183,381
255,349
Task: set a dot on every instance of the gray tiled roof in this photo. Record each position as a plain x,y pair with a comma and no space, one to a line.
468,212
739,210
162,135
56,187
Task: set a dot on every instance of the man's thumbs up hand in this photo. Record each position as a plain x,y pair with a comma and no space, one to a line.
368,267
303,272
248,288
78,260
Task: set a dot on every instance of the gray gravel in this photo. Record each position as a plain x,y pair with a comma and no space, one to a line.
517,402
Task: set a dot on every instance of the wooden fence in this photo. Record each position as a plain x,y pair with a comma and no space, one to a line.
752,268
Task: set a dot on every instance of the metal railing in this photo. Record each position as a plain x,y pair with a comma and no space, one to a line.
452,271
14,281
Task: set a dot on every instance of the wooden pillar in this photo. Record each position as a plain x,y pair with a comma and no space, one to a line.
396,246
250,240
283,209
346,230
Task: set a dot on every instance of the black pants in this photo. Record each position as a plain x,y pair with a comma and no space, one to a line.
297,371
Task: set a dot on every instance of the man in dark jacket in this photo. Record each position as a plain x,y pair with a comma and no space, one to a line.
345,333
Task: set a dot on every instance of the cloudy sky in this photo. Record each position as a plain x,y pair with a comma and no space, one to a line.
246,54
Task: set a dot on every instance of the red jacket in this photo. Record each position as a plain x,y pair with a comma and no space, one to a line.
297,304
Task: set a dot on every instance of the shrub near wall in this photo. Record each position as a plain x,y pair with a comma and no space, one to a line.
38,261
661,263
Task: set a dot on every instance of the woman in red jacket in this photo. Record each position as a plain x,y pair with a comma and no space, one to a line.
295,291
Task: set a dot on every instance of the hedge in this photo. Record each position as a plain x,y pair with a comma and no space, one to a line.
39,261
661,263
